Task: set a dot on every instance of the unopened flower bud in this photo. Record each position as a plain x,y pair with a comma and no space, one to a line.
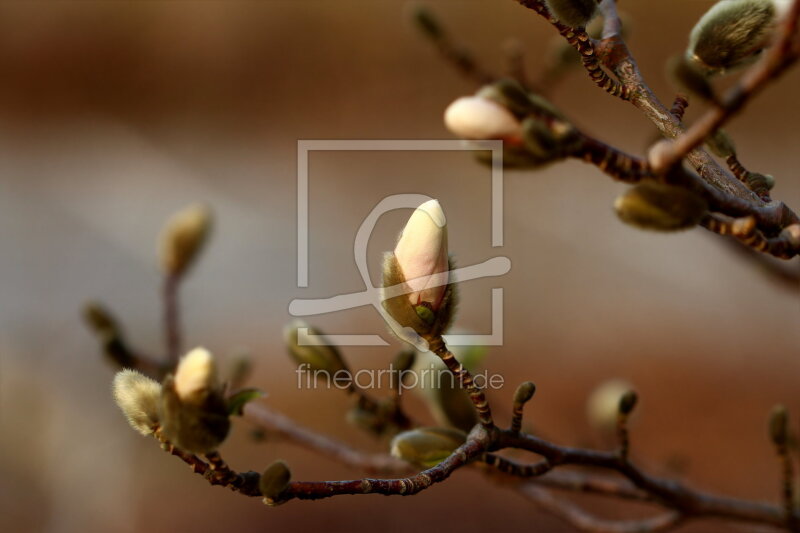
733,33
308,346
721,143
193,412
421,266
688,75
183,237
196,376
100,319
524,392
138,397
655,206
792,234
274,481
427,447
476,118
627,402
448,402
603,404
574,13
779,425
549,141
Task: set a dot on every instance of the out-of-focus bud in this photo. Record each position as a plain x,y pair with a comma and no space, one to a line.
427,447
109,333
779,425
604,403
420,265
274,480
721,144
138,397
308,346
100,319
549,141
477,118
183,237
689,76
574,13
733,33
628,402
427,22
193,412
449,404
655,206
792,234
513,97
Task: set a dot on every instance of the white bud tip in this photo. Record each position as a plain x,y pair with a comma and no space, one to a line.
195,376
475,118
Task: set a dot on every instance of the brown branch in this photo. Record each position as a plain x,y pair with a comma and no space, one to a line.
172,327
775,62
580,519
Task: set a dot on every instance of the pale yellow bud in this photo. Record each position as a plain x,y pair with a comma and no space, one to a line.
476,118
427,446
183,237
196,376
138,397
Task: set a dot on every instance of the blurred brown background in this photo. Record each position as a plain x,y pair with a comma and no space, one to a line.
115,114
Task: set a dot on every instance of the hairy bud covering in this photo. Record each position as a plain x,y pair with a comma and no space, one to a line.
427,447
660,207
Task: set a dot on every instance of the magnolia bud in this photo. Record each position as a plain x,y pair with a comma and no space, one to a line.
574,13
660,207
524,392
549,141
792,234
627,402
513,97
477,118
182,238
604,404
733,33
138,397
193,413
449,404
100,320
317,353
721,144
427,447
274,480
196,376
688,75
421,266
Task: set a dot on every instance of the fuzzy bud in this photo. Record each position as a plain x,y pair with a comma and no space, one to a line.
733,33
655,206
792,234
100,320
183,237
448,402
573,13
193,412
477,118
421,266
524,392
427,447
138,397
274,481
317,353
688,75
603,404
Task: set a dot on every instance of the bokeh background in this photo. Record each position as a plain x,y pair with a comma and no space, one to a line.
115,114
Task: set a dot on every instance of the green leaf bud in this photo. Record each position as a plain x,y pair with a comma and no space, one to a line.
309,346
524,392
274,481
689,76
239,399
659,207
427,447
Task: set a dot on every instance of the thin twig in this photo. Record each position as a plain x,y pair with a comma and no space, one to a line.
172,326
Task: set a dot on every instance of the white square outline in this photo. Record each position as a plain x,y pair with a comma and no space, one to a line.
304,146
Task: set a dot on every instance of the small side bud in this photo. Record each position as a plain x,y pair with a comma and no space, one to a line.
308,346
792,235
779,425
183,237
721,144
573,13
274,481
687,75
659,207
524,392
602,406
427,23
137,396
100,319
731,34
427,447
449,404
